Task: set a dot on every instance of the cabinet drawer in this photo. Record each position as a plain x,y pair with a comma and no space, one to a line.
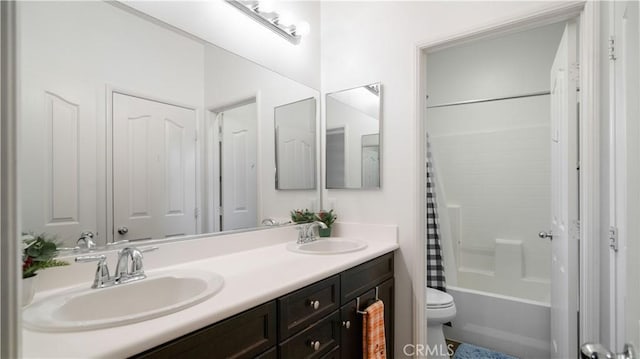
243,336
269,354
326,332
302,308
358,280
334,354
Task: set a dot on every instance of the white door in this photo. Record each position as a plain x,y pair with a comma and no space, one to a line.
564,211
154,173
239,172
58,167
296,157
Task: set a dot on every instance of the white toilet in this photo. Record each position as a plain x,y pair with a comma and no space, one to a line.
440,309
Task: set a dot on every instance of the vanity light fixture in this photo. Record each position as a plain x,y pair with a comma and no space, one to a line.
280,23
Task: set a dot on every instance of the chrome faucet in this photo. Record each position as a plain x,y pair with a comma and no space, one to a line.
86,241
128,269
270,222
306,233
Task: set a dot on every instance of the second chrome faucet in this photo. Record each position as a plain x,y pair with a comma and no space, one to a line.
128,269
306,233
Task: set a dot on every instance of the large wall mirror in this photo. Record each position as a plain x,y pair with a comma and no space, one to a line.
353,138
142,132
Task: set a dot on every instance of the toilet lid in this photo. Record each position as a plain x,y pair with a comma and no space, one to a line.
438,299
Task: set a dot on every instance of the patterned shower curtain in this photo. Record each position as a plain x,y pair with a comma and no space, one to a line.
435,265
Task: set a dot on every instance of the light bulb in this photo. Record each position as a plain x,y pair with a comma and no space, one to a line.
285,18
265,6
303,28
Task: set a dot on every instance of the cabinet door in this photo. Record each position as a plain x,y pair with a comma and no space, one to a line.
351,322
385,293
351,326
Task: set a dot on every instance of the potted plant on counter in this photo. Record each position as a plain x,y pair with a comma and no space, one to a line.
38,253
326,217
302,216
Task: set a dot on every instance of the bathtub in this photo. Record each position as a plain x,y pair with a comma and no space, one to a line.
511,325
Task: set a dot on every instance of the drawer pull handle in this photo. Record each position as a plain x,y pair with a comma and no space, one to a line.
346,324
315,304
315,345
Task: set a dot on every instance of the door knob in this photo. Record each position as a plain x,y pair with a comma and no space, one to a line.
123,230
598,351
544,235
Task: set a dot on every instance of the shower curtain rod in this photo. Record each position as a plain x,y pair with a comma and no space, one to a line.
539,93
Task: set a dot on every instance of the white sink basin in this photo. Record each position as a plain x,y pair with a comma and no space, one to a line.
328,246
159,294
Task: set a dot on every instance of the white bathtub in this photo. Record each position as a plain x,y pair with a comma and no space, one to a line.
514,326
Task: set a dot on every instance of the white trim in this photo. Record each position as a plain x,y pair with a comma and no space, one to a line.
10,272
590,174
419,270
588,13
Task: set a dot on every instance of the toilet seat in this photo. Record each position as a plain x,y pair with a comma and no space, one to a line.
437,299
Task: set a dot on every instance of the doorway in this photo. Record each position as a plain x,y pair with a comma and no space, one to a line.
586,229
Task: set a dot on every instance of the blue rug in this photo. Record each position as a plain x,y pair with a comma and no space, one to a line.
469,351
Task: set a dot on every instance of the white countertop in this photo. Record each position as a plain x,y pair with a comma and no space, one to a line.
252,277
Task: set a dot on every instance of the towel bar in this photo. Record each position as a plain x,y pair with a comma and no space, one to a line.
358,302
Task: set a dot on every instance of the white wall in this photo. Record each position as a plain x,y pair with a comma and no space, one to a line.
376,41
223,25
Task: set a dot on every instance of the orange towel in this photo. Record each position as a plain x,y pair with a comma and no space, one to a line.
373,341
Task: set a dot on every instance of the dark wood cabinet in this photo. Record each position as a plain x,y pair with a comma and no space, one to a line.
305,306
245,335
313,342
317,321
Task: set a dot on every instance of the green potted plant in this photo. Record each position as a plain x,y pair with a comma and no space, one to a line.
38,252
328,218
302,216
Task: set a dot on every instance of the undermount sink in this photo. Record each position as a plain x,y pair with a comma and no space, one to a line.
328,246
161,293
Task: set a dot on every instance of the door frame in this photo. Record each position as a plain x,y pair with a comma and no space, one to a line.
105,198
588,17
618,216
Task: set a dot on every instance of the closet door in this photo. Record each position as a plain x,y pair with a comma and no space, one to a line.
154,180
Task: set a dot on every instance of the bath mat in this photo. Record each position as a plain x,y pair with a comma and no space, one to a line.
469,351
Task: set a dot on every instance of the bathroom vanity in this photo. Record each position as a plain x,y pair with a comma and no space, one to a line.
318,321
274,303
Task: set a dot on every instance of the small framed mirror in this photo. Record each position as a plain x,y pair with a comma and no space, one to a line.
295,138
353,153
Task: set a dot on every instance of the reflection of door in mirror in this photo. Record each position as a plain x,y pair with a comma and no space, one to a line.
371,161
357,112
336,154
154,169
296,145
238,167
55,151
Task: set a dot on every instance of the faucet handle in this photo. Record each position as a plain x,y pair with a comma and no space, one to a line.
102,271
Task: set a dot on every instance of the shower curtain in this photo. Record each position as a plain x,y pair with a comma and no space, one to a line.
435,263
